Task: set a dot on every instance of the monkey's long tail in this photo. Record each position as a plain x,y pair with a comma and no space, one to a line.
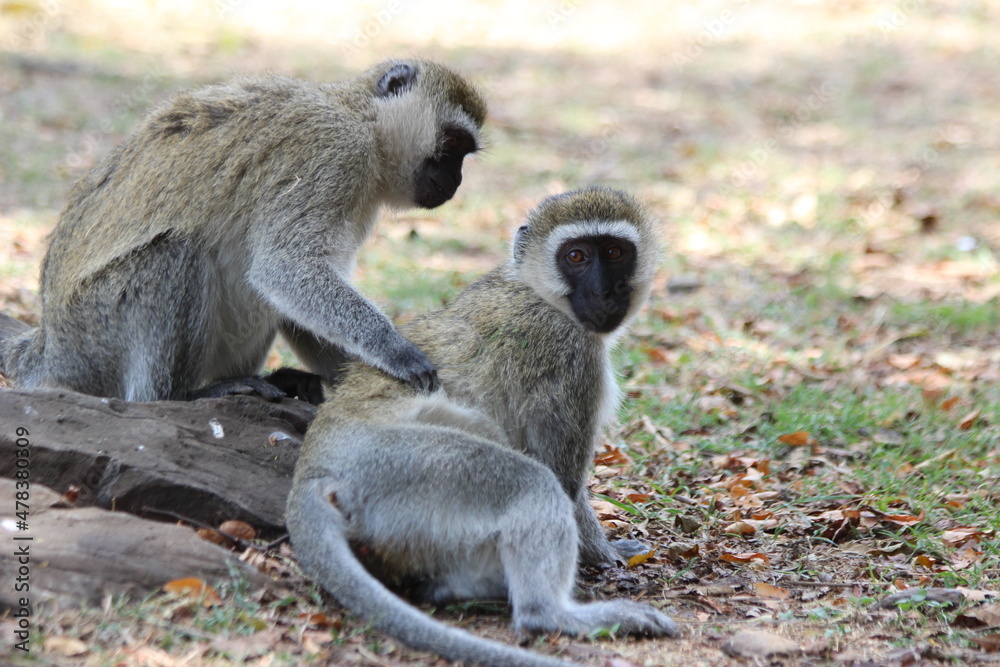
317,529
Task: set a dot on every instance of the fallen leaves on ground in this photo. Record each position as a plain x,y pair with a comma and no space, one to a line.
194,589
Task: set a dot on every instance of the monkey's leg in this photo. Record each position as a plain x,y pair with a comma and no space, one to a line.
294,383
539,550
20,350
595,548
248,386
134,329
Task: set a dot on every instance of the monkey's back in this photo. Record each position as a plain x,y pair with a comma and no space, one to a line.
501,348
196,167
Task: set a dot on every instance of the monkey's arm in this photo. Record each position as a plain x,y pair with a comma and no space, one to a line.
310,293
568,453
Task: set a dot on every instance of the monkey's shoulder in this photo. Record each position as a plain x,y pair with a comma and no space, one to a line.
510,325
503,308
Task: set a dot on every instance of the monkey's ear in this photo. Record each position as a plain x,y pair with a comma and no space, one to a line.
520,240
396,81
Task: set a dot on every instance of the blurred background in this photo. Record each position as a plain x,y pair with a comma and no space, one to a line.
851,145
827,175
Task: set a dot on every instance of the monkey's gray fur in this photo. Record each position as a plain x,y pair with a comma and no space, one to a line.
480,492
235,211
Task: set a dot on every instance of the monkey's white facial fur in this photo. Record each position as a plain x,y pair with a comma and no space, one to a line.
587,270
424,140
590,254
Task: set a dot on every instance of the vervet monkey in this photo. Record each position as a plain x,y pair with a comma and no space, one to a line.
235,211
480,492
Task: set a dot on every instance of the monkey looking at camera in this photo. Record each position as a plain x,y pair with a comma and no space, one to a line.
235,211
480,492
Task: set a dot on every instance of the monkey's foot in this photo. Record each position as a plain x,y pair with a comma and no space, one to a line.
297,384
621,616
628,549
250,386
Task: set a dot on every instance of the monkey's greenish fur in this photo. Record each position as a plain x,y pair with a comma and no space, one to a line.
478,490
235,211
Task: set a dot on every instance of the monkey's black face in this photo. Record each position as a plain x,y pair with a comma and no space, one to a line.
599,269
438,178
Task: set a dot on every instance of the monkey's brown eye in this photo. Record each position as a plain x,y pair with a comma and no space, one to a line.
576,255
450,142
613,253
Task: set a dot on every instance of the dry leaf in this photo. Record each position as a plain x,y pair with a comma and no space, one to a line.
639,559
966,558
604,509
739,528
756,644
902,519
989,643
966,422
766,590
987,615
238,529
660,356
64,646
745,557
978,594
195,589
948,404
320,620
796,439
612,456
903,361
959,536
211,535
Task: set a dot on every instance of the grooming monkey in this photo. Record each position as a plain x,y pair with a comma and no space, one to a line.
236,211
480,492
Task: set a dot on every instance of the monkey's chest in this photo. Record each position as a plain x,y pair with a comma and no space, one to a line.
241,325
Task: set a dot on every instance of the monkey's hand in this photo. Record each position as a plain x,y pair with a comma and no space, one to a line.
297,384
407,363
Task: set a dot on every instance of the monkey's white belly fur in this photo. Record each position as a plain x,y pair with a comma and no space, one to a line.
241,324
